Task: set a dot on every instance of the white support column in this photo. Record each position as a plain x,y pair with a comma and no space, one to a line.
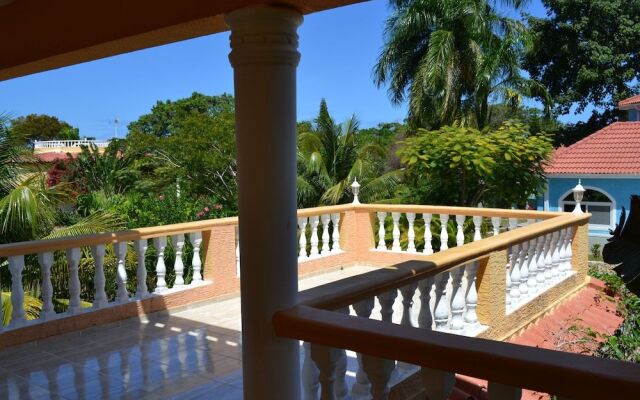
457,299
264,57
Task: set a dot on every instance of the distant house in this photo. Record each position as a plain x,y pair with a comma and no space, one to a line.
608,165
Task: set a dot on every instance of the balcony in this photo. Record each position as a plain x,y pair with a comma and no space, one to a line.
384,299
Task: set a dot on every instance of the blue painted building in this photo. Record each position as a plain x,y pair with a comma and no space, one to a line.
607,163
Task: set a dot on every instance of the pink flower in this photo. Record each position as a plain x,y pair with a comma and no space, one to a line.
200,214
206,209
218,207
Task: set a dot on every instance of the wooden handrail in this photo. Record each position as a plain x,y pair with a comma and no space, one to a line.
566,374
349,291
468,211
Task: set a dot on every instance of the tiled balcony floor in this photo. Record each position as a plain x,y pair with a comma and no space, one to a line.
190,354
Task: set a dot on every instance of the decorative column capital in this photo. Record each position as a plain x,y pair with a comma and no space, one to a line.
264,35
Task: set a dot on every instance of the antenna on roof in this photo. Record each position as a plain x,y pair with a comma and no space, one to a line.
116,121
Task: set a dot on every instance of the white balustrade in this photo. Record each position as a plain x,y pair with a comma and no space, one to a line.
471,298
314,221
379,372
524,269
46,261
477,226
196,262
457,299
310,375
395,216
441,309
444,235
361,387
122,294
16,266
335,235
411,234
302,242
160,243
555,255
141,271
327,243
73,260
428,249
178,265
460,230
425,317
514,291
325,218
496,222
100,297
532,266
50,144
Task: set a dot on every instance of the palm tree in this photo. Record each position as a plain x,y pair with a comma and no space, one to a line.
31,209
450,58
329,159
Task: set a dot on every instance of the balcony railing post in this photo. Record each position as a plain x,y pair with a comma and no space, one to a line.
491,286
219,252
580,250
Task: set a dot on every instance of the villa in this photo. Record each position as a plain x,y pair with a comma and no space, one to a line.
607,164
380,305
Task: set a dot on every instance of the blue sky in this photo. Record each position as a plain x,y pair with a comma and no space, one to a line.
339,48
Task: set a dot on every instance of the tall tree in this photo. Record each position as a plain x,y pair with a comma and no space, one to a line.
451,58
188,142
329,159
42,127
586,54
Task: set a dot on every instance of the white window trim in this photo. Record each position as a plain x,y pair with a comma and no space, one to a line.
612,213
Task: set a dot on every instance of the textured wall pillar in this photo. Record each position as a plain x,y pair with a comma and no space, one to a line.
492,288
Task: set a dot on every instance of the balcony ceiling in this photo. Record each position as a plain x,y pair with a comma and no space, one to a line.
38,35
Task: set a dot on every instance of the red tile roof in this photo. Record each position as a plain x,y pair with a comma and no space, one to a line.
631,100
614,149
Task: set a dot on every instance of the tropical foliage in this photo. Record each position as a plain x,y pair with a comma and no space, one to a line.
463,166
330,159
585,52
451,59
42,127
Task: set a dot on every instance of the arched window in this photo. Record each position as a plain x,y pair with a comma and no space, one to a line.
595,202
